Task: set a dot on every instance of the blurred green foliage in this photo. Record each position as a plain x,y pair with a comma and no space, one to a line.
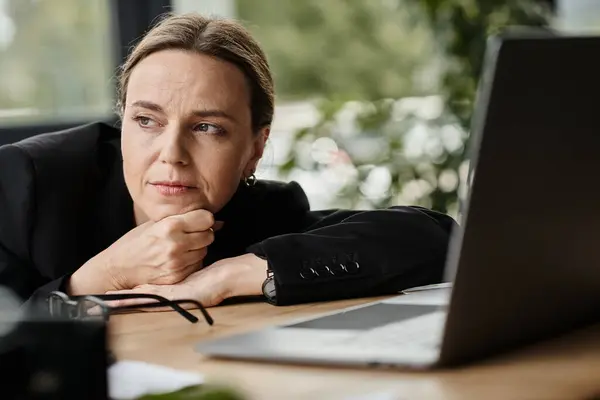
374,52
342,49
199,392
462,28
55,59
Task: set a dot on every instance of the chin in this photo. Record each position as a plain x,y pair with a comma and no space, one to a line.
158,212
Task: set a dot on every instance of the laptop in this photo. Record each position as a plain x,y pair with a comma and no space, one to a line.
524,266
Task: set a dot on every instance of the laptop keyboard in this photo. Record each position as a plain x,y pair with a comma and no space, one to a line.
366,318
424,331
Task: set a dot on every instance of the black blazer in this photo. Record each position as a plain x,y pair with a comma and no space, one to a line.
63,200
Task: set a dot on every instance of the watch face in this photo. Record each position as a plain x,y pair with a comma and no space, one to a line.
269,288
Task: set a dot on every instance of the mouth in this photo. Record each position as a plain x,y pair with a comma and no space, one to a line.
173,188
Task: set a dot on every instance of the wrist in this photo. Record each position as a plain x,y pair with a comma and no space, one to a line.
93,277
249,277
74,285
111,273
83,282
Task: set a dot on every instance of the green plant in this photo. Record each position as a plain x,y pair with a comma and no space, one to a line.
460,29
199,392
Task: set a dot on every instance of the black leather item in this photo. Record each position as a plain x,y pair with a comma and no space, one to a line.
44,359
63,200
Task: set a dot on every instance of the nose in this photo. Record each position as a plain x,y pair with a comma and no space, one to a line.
173,148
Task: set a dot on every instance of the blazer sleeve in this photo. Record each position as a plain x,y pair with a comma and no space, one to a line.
17,214
345,254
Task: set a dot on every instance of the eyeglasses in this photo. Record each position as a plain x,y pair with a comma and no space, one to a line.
94,306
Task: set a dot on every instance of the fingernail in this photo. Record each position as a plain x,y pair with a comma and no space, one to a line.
218,225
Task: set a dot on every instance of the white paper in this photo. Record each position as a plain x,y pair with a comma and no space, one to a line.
132,379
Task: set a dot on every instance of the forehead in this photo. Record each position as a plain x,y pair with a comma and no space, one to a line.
184,79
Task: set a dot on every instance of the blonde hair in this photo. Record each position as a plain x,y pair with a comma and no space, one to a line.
220,38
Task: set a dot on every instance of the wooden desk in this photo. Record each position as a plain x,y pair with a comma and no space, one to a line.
566,368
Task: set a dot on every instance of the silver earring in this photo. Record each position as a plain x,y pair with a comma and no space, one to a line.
250,180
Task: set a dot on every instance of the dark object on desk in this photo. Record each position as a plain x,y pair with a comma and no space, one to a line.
43,358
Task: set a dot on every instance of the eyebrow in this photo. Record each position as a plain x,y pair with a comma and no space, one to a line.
199,113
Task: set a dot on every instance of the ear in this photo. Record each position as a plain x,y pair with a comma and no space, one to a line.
258,148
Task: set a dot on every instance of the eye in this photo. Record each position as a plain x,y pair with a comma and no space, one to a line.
211,129
145,122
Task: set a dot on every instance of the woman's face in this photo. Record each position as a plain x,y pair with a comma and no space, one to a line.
187,139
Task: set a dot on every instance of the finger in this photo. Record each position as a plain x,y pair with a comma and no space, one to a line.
127,302
134,303
197,240
141,289
195,221
146,305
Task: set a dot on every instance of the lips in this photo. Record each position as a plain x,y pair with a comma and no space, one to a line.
173,188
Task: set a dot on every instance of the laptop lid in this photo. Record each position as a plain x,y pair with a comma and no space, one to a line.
526,263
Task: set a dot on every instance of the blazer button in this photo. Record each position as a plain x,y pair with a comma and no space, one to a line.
353,267
308,273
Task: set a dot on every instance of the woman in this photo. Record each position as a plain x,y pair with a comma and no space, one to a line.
169,204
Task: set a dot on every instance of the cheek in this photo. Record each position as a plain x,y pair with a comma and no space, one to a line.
222,170
222,165
135,160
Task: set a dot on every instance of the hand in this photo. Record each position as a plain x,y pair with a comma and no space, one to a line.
236,276
162,252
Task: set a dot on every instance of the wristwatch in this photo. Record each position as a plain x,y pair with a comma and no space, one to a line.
268,286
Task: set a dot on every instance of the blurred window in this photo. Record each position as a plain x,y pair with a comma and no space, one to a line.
56,61
579,15
221,8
